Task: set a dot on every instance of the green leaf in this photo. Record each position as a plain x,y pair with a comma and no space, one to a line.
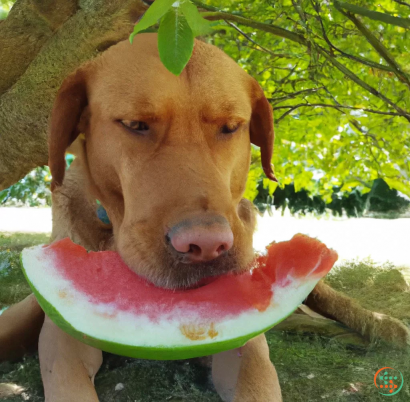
251,189
350,185
152,15
149,30
399,186
3,195
302,180
198,24
270,185
175,41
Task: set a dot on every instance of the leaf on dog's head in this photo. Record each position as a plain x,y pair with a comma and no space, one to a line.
175,40
180,23
198,24
152,15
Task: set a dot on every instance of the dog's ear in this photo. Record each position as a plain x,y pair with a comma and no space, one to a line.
261,128
68,106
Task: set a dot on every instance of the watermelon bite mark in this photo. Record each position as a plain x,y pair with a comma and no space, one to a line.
96,298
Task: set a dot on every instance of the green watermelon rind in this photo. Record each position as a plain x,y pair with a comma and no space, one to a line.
141,352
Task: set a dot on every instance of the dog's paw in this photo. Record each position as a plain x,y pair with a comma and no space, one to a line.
389,329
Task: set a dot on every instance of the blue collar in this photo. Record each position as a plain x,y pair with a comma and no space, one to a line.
102,214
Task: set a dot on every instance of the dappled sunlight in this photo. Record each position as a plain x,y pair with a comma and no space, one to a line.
8,390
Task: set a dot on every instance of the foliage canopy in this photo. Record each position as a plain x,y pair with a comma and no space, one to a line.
339,85
337,75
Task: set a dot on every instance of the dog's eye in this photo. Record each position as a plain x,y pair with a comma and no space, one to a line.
229,128
135,126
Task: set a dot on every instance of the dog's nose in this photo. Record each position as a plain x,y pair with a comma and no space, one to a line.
202,240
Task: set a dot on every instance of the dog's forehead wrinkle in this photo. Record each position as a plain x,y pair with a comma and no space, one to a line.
212,99
209,74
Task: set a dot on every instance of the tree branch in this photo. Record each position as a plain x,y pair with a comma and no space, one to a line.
293,107
374,15
273,29
403,3
259,47
24,109
294,95
379,47
284,33
367,135
363,84
26,29
277,121
205,6
359,59
337,107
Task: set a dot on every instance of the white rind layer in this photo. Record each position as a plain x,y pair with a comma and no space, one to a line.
104,321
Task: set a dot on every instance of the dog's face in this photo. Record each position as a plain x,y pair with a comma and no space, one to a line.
168,156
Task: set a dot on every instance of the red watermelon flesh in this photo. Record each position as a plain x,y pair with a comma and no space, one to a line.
95,297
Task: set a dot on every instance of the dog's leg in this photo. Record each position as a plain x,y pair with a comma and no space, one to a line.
246,374
336,305
20,327
68,367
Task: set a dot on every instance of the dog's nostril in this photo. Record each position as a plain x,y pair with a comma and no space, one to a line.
194,249
221,249
197,251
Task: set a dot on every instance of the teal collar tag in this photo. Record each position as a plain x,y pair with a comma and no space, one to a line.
102,214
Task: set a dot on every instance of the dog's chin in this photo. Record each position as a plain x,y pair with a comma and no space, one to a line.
174,274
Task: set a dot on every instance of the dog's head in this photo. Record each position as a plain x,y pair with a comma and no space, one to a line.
167,156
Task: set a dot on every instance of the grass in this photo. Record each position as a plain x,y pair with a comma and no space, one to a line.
383,288
13,286
18,241
310,368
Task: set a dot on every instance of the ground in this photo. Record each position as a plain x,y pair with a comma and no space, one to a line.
311,368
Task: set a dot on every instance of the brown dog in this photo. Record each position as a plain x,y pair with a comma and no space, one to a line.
168,158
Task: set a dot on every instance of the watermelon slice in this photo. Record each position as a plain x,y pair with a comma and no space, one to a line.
97,299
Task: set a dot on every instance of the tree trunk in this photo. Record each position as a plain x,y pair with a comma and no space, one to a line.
41,42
